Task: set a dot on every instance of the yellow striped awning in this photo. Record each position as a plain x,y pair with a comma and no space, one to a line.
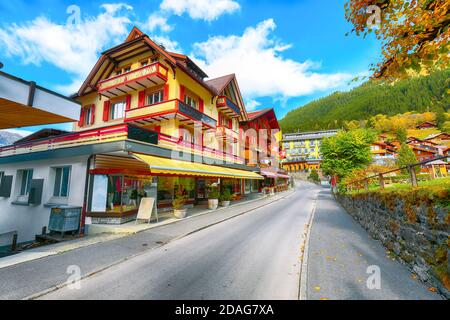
159,165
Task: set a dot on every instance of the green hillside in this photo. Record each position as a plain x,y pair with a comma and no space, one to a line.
371,98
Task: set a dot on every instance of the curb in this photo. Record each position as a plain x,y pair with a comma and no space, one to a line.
302,294
90,274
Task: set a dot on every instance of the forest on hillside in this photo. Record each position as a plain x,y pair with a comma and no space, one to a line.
421,94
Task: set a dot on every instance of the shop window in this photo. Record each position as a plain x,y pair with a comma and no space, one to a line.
117,110
168,186
118,193
248,186
62,182
155,97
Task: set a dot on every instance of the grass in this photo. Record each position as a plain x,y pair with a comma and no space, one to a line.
422,134
442,182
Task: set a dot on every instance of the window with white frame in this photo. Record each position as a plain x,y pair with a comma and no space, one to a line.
191,101
87,116
155,97
62,182
117,110
25,181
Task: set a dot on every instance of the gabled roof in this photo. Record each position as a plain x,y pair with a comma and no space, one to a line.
426,123
41,134
219,84
269,112
137,43
434,136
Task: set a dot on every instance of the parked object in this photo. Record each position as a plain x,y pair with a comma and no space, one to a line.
225,197
65,219
178,204
213,198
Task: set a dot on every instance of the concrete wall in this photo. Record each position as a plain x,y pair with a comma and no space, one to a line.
29,220
415,232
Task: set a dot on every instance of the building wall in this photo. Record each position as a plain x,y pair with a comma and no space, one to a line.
29,220
170,127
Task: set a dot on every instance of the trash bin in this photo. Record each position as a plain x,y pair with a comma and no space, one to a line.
64,219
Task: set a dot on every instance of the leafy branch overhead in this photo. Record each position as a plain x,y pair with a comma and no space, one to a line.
414,33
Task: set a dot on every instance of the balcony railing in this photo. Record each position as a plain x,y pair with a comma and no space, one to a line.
168,110
113,134
225,132
110,134
186,146
145,77
227,106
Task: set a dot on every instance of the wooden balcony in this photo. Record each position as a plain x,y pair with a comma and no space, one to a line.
227,107
139,79
168,110
224,132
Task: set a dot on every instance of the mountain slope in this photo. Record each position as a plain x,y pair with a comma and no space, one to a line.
369,99
7,138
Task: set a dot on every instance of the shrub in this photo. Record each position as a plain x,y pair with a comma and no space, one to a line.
225,195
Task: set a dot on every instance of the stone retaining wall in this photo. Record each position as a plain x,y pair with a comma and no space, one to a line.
416,235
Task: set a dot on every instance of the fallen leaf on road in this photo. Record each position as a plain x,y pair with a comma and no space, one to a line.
432,289
414,277
324,298
317,288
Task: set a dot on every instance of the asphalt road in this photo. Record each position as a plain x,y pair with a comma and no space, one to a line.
253,256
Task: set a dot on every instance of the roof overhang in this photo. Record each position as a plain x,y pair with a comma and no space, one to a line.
24,104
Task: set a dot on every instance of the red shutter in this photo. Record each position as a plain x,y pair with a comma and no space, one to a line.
92,114
81,121
201,105
230,123
128,102
106,107
166,92
158,129
182,93
141,100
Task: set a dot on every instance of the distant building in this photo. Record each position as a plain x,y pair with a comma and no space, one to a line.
382,152
426,125
303,150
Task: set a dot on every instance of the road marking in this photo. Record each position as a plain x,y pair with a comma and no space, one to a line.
304,264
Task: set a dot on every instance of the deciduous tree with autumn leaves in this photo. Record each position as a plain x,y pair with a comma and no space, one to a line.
414,33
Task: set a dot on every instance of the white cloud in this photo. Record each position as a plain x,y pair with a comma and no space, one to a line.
22,133
72,48
207,10
251,104
157,21
260,67
169,44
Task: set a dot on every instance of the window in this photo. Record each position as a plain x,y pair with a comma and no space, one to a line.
118,72
144,63
127,69
26,177
62,181
117,110
155,97
190,101
87,116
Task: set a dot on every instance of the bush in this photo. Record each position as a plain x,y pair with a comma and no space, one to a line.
213,193
314,176
225,195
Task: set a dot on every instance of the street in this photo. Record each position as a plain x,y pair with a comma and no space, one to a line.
249,251
257,256
254,256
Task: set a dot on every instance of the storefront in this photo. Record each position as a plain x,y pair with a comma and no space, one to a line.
117,185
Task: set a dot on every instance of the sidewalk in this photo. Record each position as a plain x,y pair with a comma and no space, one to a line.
91,255
339,253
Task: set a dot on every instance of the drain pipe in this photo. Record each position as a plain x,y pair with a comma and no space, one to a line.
86,187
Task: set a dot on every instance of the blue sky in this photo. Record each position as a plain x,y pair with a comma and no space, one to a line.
285,53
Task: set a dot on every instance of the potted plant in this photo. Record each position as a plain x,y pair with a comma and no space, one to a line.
178,204
225,197
213,198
